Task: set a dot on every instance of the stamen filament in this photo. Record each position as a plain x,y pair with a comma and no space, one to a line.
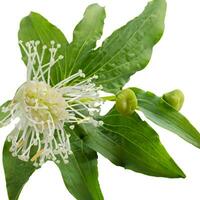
37,155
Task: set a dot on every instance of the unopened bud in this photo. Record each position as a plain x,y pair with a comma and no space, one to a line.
174,98
126,102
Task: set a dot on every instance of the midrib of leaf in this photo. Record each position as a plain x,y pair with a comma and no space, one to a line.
146,138
130,153
77,164
132,142
85,42
128,117
120,48
99,195
81,173
105,147
178,125
79,169
121,126
76,59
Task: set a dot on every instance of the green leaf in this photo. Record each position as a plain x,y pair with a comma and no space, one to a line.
85,35
36,27
4,116
131,143
128,49
17,172
161,113
80,175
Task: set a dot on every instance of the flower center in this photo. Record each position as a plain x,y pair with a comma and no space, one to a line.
41,104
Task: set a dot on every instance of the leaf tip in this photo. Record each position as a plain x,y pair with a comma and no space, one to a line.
179,173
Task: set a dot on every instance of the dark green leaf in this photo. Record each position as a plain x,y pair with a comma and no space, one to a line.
131,143
161,113
128,49
86,33
17,173
80,175
4,116
36,27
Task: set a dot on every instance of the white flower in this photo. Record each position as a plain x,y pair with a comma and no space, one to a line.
42,110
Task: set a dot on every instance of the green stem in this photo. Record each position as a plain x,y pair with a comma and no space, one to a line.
109,98
106,98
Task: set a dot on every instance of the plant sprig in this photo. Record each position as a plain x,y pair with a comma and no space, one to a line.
77,76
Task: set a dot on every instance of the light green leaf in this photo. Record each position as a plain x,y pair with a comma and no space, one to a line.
85,35
17,173
36,27
161,113
80,175
4,114
131,143
128,49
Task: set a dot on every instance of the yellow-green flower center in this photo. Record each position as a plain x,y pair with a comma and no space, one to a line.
41,103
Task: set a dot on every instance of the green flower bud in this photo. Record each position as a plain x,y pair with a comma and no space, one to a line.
174,98
126,102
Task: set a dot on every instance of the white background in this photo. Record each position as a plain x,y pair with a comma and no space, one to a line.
175,64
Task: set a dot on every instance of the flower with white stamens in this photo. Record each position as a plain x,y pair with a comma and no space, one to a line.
42,110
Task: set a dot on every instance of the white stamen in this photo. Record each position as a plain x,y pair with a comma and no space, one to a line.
35,62
43,110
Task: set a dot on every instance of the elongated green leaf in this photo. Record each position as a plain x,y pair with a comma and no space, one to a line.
86,33
4,114
161,113
80,175
36,27
128,49
17,173
131,143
